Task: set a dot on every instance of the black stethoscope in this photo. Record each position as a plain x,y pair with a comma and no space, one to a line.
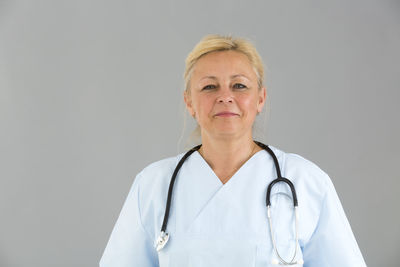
164,236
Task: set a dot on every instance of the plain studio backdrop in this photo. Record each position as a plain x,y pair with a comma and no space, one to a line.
91,93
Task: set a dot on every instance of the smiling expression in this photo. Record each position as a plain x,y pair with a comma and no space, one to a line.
224,94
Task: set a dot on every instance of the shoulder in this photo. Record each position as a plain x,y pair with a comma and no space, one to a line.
158,172
162,165
303,172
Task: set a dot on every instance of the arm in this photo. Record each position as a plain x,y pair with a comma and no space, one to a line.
333,242
129,243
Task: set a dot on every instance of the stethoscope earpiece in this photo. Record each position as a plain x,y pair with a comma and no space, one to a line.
162,240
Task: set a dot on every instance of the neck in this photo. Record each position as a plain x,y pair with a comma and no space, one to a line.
226,155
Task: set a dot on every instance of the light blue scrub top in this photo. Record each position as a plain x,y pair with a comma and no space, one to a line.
216,225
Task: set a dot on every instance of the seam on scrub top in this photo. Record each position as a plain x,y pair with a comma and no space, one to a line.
319,218
139,176
343,217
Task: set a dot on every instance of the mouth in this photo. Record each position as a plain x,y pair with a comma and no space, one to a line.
226,114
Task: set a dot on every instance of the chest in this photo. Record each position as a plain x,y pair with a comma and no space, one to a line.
229,238
229,230
214,224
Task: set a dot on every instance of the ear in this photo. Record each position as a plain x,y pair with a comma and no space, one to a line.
188,101
262,96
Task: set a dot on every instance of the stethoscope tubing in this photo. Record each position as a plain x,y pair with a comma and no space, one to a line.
164,237
171,186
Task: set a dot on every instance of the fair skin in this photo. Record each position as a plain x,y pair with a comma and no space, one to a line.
224,98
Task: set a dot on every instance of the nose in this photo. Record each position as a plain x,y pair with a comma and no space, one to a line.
225,95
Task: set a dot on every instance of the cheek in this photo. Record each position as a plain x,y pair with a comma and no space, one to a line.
248,105
204,104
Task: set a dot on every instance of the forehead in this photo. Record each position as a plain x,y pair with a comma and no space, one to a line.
223,62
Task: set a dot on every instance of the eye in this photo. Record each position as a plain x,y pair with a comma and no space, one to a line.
239,86
208,87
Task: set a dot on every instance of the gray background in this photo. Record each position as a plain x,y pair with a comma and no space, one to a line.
91,92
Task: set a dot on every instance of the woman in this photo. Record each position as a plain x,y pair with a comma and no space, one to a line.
217,212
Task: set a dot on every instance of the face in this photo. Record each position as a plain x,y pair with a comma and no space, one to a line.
224,96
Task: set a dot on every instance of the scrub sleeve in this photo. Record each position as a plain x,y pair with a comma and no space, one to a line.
129,243
333,242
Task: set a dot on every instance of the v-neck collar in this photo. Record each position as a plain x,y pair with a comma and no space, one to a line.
198,187
237,173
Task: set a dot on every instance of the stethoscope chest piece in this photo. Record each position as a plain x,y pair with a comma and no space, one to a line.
162,240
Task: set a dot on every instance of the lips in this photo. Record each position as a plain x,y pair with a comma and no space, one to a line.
226,114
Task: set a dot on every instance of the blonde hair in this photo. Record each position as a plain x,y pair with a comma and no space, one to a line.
215,42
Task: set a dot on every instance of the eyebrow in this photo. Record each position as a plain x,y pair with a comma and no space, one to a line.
232,77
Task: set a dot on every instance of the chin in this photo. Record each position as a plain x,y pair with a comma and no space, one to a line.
227,131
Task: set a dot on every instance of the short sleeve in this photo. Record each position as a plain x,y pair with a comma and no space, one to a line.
333,242
129,243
